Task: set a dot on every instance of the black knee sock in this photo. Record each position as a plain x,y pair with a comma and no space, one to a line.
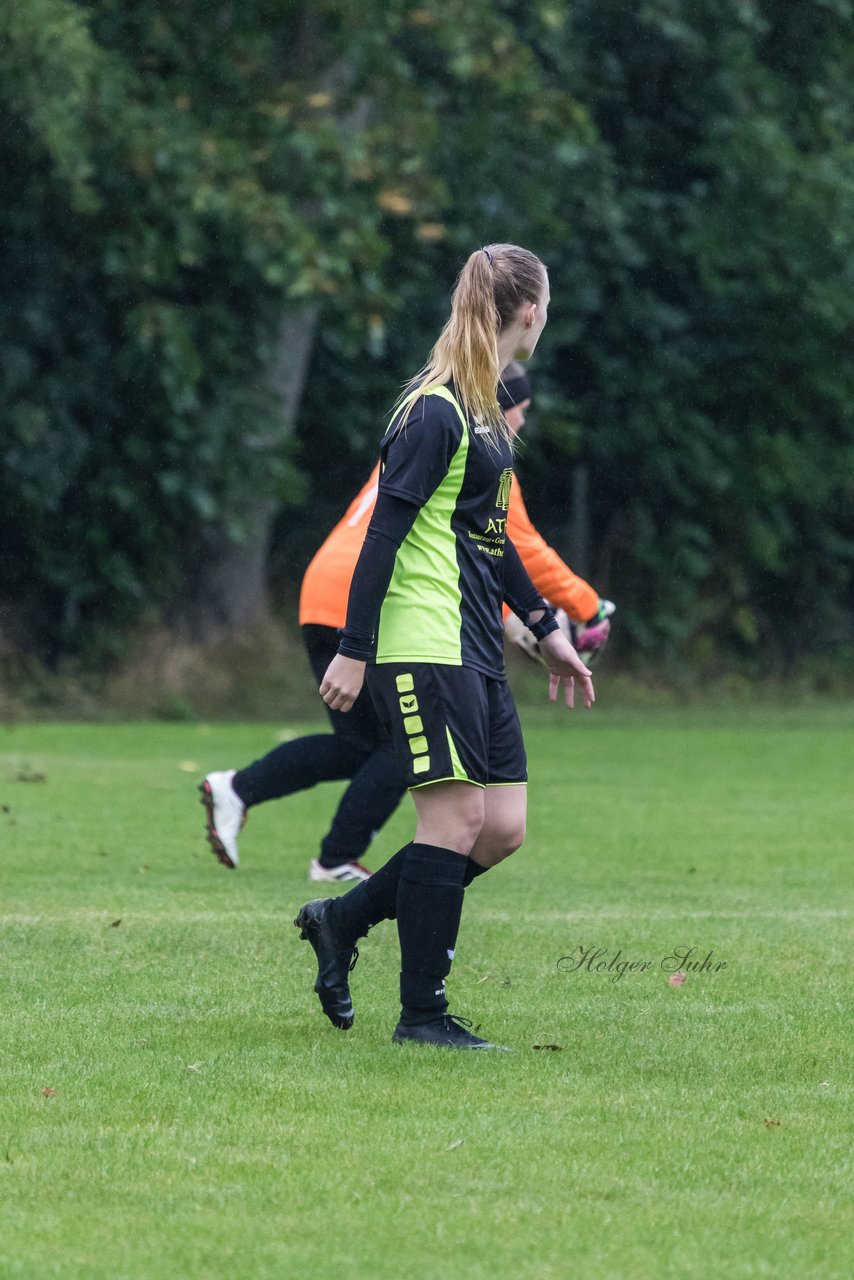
295,766
371,798
371,900
374,900
429,906
472,869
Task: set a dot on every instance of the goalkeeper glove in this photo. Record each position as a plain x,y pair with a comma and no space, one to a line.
591,637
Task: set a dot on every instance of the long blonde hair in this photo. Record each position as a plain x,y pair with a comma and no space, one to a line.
494,283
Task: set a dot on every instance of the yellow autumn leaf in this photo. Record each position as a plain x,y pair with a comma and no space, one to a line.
394,201
431,231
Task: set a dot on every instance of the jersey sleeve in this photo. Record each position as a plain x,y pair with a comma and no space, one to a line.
523,597
554,579
391,522
415,456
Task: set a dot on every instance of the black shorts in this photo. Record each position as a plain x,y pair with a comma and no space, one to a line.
449,723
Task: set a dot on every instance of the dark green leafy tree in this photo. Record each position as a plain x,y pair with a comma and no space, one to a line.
686,173
187,185
706,363
199,200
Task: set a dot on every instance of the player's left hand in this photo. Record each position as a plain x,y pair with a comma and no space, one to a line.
565,669
342,683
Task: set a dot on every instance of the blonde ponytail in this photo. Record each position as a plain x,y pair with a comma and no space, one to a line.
494,283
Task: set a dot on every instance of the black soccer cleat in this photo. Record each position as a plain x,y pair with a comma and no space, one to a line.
335,961
445,1032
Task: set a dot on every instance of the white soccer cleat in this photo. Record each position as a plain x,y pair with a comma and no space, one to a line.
226,815
346,871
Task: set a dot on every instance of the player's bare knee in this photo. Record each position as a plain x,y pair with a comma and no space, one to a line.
470,820
516,837
452,817
496,844
508,840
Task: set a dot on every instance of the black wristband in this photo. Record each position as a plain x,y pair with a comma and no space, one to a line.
546,625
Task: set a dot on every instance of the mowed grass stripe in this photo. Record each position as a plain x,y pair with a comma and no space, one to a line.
207,1121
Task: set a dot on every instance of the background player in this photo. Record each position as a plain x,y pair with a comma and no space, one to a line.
359,748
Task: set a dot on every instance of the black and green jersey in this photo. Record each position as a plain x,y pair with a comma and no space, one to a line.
443,602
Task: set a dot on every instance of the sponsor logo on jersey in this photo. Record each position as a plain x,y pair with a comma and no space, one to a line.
502,500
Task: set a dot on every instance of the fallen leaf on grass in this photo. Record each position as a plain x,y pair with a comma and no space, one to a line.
193,1066
676,979
115,924
769,1123
454,1145
555,1048
49,1091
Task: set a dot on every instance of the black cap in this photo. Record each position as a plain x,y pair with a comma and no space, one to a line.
513,386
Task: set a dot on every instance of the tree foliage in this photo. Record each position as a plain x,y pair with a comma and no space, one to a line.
182,179
710,373
179,177
695,209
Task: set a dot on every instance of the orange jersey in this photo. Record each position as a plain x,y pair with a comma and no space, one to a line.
552,578
326,585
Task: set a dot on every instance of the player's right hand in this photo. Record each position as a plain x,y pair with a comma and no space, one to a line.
342,684
565,669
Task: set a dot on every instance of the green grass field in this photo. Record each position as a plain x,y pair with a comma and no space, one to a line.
174,1105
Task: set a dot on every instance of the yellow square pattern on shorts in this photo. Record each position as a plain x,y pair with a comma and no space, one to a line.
421,765
413,724
405,683
418,746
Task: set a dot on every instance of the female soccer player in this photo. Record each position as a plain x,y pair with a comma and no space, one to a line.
358,747
424,619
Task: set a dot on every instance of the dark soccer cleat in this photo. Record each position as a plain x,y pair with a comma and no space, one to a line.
445,1032
335,961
